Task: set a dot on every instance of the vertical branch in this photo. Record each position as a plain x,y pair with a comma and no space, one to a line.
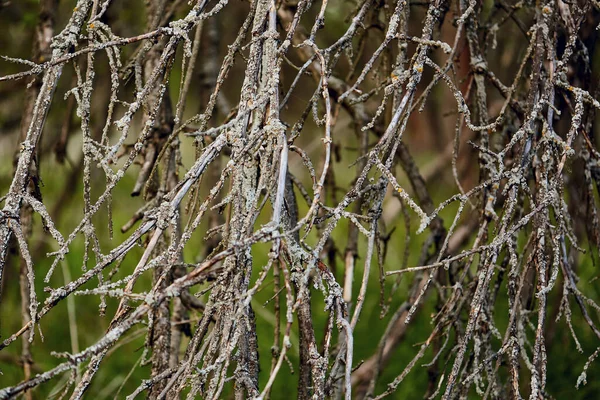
43,34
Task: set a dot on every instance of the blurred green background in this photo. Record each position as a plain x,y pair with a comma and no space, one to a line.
121,371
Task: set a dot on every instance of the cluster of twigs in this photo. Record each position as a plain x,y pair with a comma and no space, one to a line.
515,235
